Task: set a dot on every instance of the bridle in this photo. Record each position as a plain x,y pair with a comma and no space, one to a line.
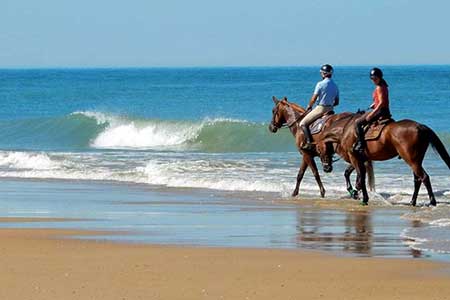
290,124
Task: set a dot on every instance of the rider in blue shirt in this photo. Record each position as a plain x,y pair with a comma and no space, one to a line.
327,95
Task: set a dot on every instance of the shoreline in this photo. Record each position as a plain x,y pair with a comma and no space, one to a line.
45,264
138,214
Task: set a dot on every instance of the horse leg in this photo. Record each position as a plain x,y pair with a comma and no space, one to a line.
417,183
423,176
353,193
313,166
425,179
300,174
361,180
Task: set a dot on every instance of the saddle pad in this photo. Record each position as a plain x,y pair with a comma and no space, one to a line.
317,125
374,131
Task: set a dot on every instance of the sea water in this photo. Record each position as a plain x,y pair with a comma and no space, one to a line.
206,128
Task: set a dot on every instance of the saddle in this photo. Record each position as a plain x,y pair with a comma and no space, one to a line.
317,125
373,130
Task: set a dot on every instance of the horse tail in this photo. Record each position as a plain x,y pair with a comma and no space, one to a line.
438,145
370,175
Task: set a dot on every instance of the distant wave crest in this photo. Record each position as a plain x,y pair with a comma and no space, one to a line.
99,130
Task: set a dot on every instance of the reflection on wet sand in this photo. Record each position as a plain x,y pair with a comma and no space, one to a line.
361,232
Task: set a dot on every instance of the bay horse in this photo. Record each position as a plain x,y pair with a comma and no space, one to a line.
405,139
288,114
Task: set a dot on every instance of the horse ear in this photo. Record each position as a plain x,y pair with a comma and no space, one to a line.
285,99
275,100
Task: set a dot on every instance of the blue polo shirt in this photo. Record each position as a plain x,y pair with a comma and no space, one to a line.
327,91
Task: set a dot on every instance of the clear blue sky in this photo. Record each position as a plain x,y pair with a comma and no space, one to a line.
145,33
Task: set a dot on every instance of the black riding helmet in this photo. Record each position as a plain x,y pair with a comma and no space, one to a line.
375,72
328,69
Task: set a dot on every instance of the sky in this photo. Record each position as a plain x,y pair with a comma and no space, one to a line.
204,33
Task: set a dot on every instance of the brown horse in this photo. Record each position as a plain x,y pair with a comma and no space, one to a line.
405,139
288,114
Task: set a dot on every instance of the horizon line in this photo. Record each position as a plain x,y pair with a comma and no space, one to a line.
207,67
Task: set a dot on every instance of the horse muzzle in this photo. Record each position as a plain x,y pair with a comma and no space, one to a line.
272,128
327,168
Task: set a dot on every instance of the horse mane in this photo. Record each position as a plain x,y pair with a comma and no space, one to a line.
297,107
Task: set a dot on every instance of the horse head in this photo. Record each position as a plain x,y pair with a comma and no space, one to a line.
278,115
326,152
283,114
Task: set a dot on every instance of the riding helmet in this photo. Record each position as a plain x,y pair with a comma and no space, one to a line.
328,69
375,72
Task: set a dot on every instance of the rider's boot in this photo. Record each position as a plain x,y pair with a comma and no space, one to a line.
359,146
307,145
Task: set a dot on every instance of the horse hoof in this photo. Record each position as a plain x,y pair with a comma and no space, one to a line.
363,203
353,194
412,203
322,194
432,203
294,194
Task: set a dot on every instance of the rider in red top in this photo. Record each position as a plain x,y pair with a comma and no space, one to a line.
380,108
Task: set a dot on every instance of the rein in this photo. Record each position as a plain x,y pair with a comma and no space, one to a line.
289,125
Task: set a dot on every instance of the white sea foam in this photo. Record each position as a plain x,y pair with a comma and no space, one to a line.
131,135
441,222
230,172
26,160
211,175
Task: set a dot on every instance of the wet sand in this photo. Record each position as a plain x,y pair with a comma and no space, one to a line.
189,217
41,264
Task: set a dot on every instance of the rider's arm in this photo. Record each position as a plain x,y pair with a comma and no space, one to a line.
336,101
315,95
312,101
382,103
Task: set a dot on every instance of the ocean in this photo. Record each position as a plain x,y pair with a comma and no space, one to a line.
191,129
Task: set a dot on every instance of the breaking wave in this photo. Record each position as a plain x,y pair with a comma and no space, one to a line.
88,129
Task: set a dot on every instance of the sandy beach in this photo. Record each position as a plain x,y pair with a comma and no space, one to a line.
42,264
144,154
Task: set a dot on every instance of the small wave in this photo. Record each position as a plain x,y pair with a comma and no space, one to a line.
227,176
23,160
433,232
433,239
441,222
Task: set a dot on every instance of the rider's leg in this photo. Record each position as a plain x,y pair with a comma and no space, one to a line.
360,143
306,133
316,113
